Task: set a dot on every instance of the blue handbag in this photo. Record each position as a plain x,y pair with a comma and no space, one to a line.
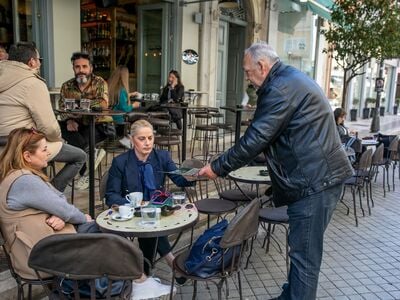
205,257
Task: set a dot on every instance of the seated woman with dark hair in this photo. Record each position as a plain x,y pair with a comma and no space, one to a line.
173,92
142,169
344,132
32,209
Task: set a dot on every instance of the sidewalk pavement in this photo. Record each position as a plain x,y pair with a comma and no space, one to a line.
389,124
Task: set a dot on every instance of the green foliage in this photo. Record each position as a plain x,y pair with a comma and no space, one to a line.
361,30
397,101
355,102
370,100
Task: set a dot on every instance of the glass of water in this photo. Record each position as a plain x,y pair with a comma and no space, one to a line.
149,216
85,104
69,103
179,198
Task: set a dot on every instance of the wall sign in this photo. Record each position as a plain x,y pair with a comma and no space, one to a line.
190,57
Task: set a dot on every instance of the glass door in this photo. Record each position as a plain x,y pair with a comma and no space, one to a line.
153,31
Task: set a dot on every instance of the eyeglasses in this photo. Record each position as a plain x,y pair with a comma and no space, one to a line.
39,59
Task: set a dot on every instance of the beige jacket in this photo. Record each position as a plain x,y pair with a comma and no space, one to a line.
23,229
25,102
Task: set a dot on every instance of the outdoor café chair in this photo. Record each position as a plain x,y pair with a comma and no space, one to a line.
357,183
21,281
87,256
241,229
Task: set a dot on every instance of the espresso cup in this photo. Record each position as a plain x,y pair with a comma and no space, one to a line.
125,211
135,198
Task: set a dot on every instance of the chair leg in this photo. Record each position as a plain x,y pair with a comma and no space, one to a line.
171,293
387,177
30,291
194,289
394,170
383,177
251,252
219,287
359,195
367,192
354,205
370,193
20,295
240,285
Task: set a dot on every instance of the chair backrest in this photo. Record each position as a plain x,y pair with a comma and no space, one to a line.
103,185
87,256
365,160
377,157
393,148
243,226
133,116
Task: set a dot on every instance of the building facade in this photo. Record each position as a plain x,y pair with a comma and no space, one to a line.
203,41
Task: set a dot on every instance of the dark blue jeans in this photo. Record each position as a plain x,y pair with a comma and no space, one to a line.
308,219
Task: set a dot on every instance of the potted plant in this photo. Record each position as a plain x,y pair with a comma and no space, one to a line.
382,108
365,113
370,102
353,111
396,105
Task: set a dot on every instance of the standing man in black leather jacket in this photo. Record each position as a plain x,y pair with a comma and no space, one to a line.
294,126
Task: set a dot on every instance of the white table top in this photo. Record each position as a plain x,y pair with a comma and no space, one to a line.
181,219
369,142
250,174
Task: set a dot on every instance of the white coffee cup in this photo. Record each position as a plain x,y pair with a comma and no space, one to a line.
135,198
125,211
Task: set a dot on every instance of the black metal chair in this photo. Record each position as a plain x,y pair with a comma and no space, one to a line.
103,187
357,183
269,217
242,228
87,256
21,281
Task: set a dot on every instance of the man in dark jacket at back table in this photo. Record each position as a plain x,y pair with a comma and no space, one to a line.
294,126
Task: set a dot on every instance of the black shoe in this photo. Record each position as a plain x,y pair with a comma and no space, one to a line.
180,280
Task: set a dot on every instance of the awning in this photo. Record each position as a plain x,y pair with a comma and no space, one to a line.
321,8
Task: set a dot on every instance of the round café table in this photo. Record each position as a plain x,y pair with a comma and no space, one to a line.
250,174
183,218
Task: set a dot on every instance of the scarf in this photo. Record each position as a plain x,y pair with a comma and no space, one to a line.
147,179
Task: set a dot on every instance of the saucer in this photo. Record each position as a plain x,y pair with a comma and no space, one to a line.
117,217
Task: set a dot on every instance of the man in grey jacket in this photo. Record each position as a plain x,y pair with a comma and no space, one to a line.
25,102
293,125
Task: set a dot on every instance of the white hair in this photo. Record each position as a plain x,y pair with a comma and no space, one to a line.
261,50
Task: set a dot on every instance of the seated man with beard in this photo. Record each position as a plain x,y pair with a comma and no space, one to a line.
75,129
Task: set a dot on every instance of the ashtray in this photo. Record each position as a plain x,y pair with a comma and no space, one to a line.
263,173
167,210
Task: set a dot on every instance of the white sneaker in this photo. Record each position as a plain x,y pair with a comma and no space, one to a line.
100,154
82,183
150,288
126,142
